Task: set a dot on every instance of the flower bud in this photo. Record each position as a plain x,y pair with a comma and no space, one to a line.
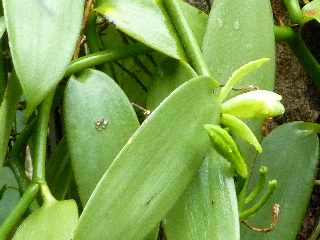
254,104
224,144
240,129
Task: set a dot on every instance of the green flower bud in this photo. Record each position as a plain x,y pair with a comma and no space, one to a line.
254,104
241,129
224,144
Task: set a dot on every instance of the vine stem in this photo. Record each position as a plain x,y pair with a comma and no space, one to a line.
294,11
41,134
15,216
101,57
186,36
296,43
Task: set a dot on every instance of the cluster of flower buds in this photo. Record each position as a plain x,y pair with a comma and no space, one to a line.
259,104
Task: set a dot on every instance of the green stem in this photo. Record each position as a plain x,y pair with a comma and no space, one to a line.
3,74
13,219
259,186
306,58
294,11
47,195
187,37
105,56
284,33
304,55
41,134
255,208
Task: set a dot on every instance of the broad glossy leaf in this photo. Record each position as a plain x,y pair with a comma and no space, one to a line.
171,74
2,26
197,20
143,21
89,98
312,10
291,154
134,75
3,73
154,234
51,222
208,209
233,28
154,168
7,114
9,194
59,171
42,39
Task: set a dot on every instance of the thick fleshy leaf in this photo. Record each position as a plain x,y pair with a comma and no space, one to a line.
154,234
7,114
56,221
42,39
143,21
99,120
59,171
2,26
201,213
134,75
291,154
9,194
196,18
3,73
154,168
232,28
171,74
312,10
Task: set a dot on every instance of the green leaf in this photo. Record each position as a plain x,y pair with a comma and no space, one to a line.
291,154
9,196
154,168
7,114
312,10
143,21
232,28
42,38
3,72
134,75
197,20
51,222
171,74
208,209
89,98
58,171
154,234
2,26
